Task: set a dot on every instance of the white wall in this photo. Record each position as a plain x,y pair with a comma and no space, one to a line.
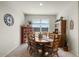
72,35
9,35
78,28
51,18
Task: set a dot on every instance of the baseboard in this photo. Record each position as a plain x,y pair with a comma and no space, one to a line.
74,54
10,51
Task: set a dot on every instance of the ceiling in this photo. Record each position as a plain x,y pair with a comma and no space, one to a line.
49,7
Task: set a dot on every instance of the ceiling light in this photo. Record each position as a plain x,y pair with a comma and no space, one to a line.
41,4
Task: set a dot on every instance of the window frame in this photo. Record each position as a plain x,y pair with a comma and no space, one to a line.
40,24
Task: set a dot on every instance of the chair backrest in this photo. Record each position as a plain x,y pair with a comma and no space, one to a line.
51,35
31,38
31,35
45,33
56,42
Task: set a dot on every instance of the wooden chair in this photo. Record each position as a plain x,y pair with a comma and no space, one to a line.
31,43
34,48
52,49
51,35
39,49
56,44
45,33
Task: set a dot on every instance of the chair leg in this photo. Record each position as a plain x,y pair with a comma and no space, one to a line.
30,51
55,53
28,48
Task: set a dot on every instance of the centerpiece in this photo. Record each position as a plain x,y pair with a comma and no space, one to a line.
40,35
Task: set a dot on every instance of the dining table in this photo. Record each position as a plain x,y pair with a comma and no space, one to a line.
45,40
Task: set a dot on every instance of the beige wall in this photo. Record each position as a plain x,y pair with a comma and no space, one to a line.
51,18
71,13
9,35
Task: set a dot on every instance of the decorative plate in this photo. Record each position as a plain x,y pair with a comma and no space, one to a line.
71,24
8,19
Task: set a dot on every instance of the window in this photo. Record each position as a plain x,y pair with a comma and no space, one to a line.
40,25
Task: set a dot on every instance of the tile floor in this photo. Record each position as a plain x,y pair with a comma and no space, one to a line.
21,51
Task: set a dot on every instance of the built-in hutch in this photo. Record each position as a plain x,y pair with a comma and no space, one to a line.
24,32
60,28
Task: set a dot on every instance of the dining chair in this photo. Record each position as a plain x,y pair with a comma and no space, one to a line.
52,49
45,33
51,35
32,49
31,43
56,44
39,49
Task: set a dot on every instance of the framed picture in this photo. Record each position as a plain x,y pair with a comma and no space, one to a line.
71,24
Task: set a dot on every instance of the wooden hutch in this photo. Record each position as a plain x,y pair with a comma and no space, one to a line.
60,28
24,32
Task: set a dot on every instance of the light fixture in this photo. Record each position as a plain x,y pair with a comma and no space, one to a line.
41,4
